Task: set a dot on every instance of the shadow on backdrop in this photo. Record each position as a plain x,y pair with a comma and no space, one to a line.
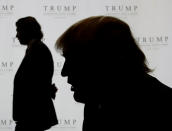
33,108
109,74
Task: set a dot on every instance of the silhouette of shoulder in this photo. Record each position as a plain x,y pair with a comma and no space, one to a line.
158,86
40,46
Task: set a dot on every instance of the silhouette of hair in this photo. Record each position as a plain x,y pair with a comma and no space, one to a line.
104,35
30,27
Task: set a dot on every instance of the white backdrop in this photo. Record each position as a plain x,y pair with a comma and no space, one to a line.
150,22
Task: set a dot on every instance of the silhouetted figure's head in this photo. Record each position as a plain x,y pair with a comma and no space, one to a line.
27,29
99,51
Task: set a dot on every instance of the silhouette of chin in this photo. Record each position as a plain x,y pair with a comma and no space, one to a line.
22,42
79,98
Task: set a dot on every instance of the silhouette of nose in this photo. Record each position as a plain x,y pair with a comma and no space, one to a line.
64,70
16,35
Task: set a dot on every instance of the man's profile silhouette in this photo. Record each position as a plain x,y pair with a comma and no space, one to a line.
109,74
33,109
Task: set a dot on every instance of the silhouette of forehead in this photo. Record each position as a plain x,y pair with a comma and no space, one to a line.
74,52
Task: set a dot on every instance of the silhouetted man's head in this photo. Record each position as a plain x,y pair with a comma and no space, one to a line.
98,50
27,29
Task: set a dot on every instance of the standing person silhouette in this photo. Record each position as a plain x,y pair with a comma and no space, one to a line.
33,109
109,74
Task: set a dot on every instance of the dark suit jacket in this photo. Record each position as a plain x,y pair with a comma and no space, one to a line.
137,103
32,102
